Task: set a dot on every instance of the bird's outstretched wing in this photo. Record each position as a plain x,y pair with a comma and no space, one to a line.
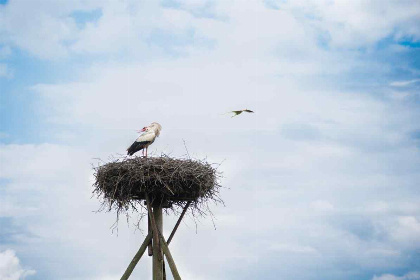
238,112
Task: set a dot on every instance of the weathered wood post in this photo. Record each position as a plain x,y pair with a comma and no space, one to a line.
149,229
157,249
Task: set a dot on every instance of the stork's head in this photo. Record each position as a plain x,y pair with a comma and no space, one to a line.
156,127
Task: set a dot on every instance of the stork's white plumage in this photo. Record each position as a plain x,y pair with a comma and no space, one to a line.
145,139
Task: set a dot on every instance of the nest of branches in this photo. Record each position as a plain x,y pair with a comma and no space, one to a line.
124,183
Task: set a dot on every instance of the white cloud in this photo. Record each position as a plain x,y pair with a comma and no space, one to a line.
57,178
357,23
50,31
407,231
43,28
404,83
31,160
10,267
322,205
291,248
33,26
408,276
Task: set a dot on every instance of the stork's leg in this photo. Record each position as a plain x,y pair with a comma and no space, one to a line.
142,152
146,151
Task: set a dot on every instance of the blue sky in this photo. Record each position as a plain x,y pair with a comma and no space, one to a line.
332,152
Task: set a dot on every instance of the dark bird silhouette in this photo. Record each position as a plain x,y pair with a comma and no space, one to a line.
238,112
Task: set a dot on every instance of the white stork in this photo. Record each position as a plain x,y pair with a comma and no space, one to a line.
145,139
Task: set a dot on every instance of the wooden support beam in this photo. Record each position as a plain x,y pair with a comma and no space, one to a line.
179,221
169,258
149,230
164,270
137,257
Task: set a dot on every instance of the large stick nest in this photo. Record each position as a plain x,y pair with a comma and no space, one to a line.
124,183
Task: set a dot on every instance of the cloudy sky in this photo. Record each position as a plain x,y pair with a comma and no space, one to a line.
322,182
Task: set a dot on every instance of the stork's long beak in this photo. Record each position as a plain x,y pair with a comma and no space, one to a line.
142,130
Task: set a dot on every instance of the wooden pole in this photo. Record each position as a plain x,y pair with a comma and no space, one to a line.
157,224
179,221
157,251
137,257
169,258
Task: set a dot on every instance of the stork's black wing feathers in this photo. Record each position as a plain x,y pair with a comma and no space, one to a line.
136,146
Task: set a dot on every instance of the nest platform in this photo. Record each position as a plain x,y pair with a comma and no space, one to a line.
125,182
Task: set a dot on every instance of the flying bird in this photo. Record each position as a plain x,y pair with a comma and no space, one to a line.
240,112
145,139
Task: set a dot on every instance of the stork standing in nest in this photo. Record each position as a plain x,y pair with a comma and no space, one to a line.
145,139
